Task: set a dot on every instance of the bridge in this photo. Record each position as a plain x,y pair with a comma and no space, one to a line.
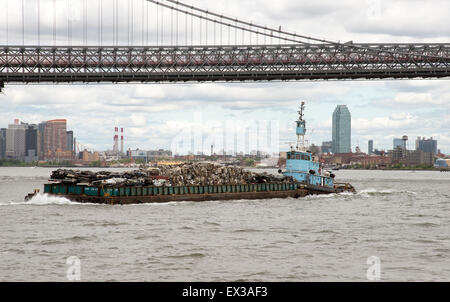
213,51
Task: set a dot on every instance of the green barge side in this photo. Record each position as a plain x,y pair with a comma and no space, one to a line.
153,194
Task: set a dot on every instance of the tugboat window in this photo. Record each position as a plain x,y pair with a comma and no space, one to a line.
289,156
298,156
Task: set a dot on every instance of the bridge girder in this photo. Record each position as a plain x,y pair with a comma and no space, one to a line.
38,64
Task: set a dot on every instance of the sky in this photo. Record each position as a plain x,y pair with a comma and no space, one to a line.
160,115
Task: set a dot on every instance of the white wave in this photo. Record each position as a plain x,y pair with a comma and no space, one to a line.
45,199
365,193
382,192
324,196
42,199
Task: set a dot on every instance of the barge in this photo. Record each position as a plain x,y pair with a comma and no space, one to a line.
303,176
150,194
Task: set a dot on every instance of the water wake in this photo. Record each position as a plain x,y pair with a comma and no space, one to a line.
366,193
43,199
375,192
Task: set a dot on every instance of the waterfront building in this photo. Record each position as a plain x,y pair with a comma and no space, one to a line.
55,139
88,156
374,160
379,152
315,149
419,157
156,154
138,154
442,163
327,147
397,155
412,157
427,145
341,130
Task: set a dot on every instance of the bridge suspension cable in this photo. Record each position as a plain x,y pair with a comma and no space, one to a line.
204,27
272,32
279,34
250,25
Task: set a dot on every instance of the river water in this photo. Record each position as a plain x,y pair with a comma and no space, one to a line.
400,217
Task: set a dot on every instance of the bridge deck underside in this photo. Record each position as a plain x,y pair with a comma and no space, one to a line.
233,63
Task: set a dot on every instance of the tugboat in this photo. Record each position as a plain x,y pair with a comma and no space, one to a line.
303,176
305,168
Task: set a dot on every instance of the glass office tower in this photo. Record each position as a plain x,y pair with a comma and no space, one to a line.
398,143
370,147
342,124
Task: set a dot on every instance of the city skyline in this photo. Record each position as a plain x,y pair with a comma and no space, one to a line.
421,142
29,142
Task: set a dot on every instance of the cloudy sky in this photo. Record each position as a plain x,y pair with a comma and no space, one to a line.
153,115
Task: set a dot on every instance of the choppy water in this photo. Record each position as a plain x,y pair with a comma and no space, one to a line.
402,217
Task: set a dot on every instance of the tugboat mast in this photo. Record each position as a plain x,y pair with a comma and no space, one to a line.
301,129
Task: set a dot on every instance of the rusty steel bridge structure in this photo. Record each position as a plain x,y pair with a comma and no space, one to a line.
299,58
35,64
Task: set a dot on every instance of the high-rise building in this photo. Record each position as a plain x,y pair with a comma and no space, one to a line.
15,140
2,143
342,121
427,145
397,143
55,139
69,144
370,147
31,143
41,135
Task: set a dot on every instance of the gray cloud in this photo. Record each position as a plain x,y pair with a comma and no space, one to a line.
414,19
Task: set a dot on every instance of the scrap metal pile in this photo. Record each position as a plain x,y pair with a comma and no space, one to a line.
211,174
129,178
178,175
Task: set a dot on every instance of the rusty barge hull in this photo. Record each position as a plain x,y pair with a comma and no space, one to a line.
125,200
141,195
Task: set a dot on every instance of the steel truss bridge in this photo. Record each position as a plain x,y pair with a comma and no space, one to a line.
299,58
234,63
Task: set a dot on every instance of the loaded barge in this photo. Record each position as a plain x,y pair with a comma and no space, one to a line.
137,195
303,176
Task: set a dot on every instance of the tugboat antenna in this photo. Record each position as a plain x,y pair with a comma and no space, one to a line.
301,129
300,112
